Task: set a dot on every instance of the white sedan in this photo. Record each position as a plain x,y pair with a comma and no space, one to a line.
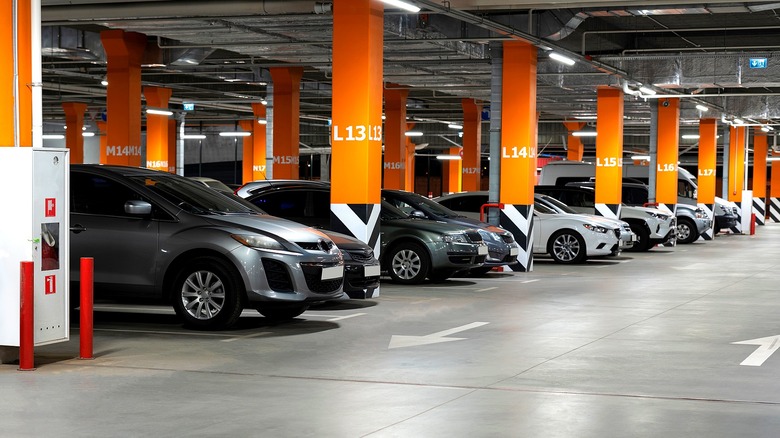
567,238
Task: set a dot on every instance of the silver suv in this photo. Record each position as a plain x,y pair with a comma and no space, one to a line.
157,235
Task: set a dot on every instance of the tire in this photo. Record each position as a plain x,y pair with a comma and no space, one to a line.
643,239
279,312
567,246
686,231
408,263
208,294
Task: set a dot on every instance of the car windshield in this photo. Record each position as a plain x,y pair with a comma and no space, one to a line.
557,204
191,196
390,212
539,208
428,206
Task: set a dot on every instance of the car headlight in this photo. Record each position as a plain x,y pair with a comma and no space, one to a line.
660,216
460,238
699,213
489,235
595,228
260,241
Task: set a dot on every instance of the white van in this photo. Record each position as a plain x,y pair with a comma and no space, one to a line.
561,173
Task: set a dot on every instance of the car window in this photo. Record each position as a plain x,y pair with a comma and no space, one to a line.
471,203
285,203
189,195
401,205
95,194
634,195
390,212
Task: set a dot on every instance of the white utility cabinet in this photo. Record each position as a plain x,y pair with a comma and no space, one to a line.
35,226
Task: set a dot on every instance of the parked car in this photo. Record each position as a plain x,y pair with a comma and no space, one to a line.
212,183
411,249
651,226
566,238
158,235
502,248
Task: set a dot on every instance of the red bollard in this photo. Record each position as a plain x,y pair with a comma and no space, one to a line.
752,224
26,317
86,290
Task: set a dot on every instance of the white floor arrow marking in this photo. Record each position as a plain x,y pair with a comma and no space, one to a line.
399,341
767,347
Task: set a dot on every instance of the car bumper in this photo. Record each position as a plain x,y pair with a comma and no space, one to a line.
725,221
703,225
456,256
359,276
502,254
600,244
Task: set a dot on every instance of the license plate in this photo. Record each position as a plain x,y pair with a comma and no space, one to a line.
332,272
514,251
482,250
371,271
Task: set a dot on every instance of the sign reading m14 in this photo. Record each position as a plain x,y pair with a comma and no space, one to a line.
758,63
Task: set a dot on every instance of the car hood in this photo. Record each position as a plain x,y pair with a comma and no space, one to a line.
346,242
467,222
289,230
574,218
426,225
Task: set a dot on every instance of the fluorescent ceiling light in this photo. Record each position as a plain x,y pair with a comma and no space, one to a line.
262,121
104,82
586,117
52,136
646,90
588,133
702,108
641,157
773,159
413,134
402,5
691,136
159,112
235,134
454,126
738,121
87,134
448,157
193,137
264,102
765,128
561,58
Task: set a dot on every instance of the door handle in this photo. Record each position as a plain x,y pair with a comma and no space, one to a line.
78,228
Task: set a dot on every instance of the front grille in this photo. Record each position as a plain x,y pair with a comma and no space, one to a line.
617,233
507,238
313,274
320,245
510,259
361,255
474,236
277,275
466,260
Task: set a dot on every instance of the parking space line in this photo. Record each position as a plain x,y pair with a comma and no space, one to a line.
529,281
161,332
333,318
487,289
253,335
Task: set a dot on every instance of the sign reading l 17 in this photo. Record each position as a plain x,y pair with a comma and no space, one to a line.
757,62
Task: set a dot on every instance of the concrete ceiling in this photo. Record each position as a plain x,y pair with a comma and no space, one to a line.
216,55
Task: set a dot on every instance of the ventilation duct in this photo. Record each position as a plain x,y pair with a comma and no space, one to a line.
71,44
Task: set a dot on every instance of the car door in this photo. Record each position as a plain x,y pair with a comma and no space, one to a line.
100,225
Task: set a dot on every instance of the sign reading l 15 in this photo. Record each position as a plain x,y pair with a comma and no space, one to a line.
758,63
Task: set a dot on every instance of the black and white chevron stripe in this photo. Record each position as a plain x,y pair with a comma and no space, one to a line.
738,227
518,219
774,209
362,222
710,233
759,209
611,211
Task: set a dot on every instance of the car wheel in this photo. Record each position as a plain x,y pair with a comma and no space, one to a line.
566,246
686,231
642,239
408,263
207,294
277,312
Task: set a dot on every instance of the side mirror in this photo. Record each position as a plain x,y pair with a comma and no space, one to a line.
418,214
138,208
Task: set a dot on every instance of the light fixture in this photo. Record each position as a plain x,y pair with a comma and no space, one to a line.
193,137
413,134
561,58
773,159
640,157
235,134
87,134
584,133
690,136
738,121
159,112
264,102
586,117
402,5
765,128
52,136
646,90
454,126
448,157
104,82
262,121
702,108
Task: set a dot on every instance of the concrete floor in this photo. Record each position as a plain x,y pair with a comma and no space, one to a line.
638,346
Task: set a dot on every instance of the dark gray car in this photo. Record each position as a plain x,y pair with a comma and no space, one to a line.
157,235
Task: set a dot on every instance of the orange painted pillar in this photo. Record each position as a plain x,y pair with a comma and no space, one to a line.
453,182
357,120
518,146
172,145
395,138
708,147
156,128
124,51
259,154
574,147
409,165
16,94
286,123
609,151
760,146
74,138
736,163
472,145
774,189
668,146
248,150
102,127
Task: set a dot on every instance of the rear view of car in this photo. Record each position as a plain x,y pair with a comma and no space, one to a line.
156,235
